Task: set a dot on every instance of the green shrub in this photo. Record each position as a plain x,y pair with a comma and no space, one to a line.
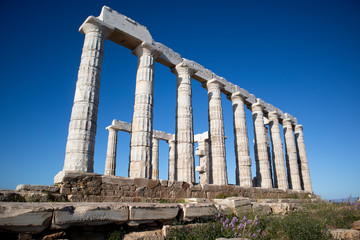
117,234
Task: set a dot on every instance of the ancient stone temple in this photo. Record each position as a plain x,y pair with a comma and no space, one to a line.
273,170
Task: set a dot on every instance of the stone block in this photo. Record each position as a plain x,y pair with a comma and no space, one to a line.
152,211
356,225
164,183
349,234
27,187
197,200
279,208
198,210
138,32
66,214
144,235
261,207
152,184
25,217
141,182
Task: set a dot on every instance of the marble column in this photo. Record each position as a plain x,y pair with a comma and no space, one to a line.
155,159
110,164
304,166
280,180
216,134
184,133
82,128
268,148
242,153
263,172
203,152
142,123
291,156
172,169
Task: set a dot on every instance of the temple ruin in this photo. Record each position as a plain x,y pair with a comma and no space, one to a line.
144,162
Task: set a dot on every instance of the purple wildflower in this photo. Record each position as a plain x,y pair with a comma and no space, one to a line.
241,226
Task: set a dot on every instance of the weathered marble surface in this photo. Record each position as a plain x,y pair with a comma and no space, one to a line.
218,172
263,172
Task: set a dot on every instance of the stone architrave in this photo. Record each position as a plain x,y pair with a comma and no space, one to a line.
80,144
172,169
184,132
280,180
291,156
110,164
216,134
155,159
142,123
263,174
242,153
304,166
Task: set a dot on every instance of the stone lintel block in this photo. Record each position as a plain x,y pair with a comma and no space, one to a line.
126,127
66,215
196,210
201,136
168,56
125,28
28,187
162,135
122,126
201,74
152,211
25,217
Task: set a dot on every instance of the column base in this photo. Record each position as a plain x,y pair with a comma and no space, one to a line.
59,178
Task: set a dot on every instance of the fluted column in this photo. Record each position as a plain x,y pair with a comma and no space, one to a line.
184,133
155,159
263,174
172,170
280,180
242,153
82,128
110,164
203,152
142,123
216,134
291,156
304,166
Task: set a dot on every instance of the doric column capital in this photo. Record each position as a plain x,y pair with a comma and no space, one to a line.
183,68
112,128
214,83
273,115
92,24
236,96
287,122
298,128
146,48
257,107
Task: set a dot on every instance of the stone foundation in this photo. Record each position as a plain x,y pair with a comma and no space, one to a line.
99,188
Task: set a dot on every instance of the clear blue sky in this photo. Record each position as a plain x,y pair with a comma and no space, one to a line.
301,56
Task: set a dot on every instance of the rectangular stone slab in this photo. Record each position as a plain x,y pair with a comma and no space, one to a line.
152,211
25,217
89,214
